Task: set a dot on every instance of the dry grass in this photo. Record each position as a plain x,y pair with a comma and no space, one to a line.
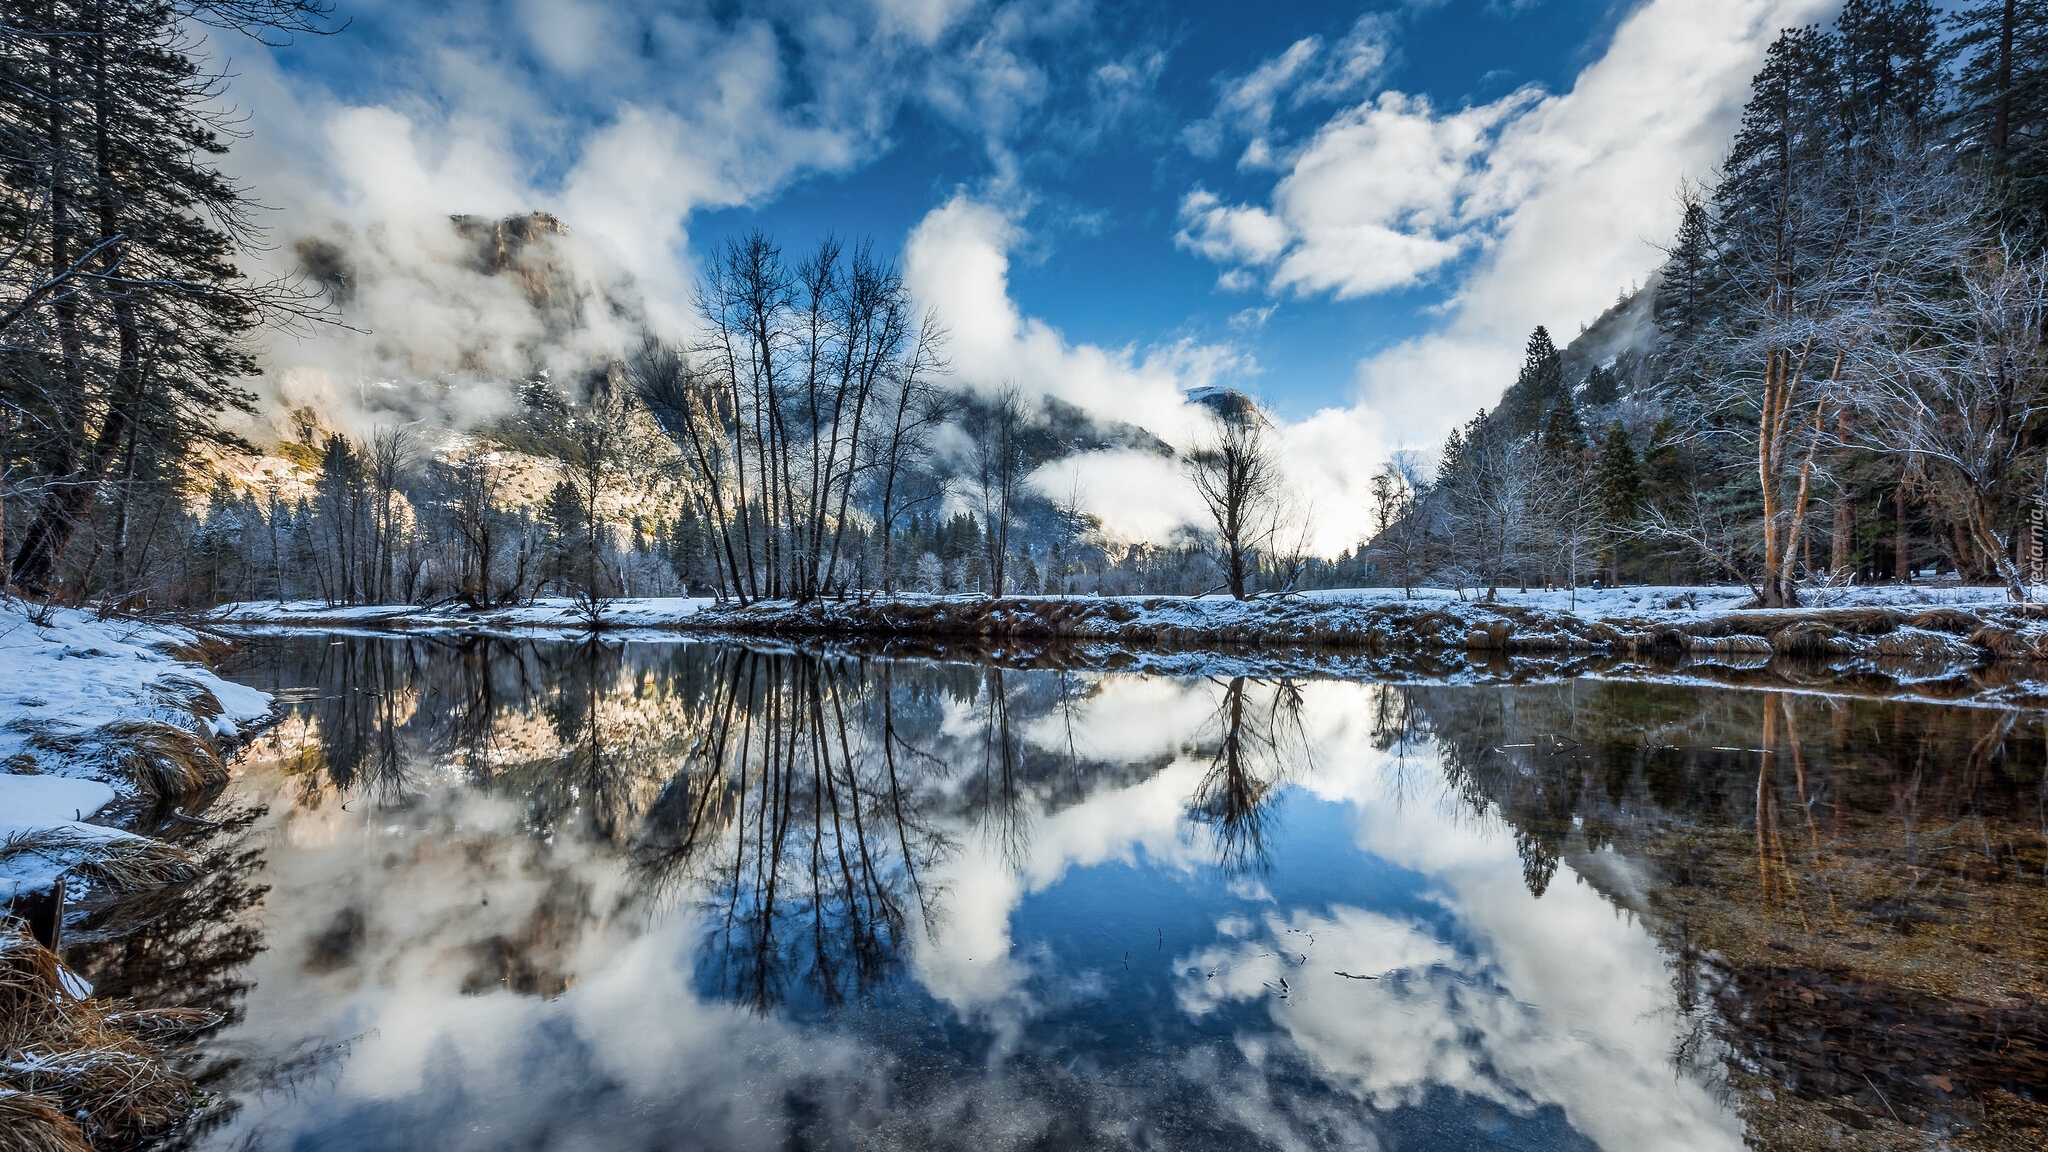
163,759
31,1123
80,1062
189,695
126,864
206,648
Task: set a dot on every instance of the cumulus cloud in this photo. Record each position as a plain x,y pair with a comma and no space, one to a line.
957,263
1543,205
1385,193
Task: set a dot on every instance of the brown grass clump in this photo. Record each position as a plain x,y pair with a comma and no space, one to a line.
206,648
69,1059
123,864
163,759
31,1123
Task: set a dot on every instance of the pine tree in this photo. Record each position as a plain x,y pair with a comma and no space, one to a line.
1564,436
1681,303
110,133
1541,381
2002,117
1602,388
1890,63
1618,476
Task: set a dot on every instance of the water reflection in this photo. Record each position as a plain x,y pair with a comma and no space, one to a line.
588,895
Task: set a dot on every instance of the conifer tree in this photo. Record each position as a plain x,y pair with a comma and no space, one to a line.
1541,381
1602,387
110,130
1890,63
1564,436
1617,476
2002,112
1681,303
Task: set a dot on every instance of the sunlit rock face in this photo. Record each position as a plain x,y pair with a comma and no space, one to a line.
592,895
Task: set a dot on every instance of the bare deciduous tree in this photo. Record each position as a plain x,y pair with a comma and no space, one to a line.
1959,384
1401,530
1236,473
999,467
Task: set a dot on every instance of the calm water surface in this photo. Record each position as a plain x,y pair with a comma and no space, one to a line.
503,894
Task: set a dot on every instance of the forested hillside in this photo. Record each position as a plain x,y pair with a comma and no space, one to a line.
1837,375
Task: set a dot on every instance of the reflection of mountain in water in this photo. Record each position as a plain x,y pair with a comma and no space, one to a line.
1850,890
800,800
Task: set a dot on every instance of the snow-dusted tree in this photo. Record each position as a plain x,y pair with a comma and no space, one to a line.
1959,384
1489,482
1000,463
122,311
1793,292
1618,482
1401,509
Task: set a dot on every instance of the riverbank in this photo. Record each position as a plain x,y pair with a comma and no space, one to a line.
1949,643
100,721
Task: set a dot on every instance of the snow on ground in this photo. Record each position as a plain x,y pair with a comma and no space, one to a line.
1642,601
551,613
40,804
1688,601
63,675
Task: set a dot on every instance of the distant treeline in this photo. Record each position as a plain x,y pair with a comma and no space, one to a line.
1836,375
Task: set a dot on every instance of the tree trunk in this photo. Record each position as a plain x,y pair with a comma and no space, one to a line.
1902,547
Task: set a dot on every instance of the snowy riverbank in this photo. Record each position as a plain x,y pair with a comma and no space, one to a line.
94,710
1935,641
545,615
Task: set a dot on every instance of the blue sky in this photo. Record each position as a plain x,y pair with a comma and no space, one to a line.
1099,187
1356,211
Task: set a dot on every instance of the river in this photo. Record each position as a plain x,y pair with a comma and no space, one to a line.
489,893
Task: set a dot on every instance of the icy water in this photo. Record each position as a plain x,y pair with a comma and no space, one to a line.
490,894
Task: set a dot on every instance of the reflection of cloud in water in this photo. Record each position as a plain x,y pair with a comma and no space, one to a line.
1574,1005
425,918
969,964
1570,1004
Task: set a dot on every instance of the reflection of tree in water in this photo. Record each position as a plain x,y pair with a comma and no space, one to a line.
1257,742
798,814
1848,889
801,797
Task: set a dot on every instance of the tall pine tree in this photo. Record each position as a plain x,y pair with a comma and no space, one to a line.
113,131
2002,112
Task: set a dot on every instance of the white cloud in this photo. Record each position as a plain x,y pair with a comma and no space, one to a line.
957,262
1233,232
921,20
1386,193
1308,71
1558,196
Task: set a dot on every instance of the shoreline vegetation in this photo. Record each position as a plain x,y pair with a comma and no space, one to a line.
105,722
